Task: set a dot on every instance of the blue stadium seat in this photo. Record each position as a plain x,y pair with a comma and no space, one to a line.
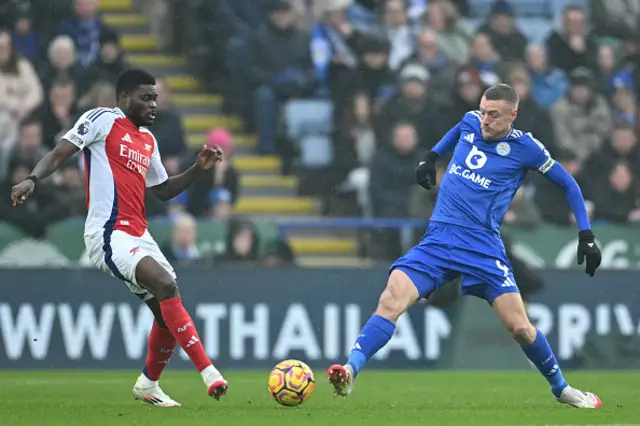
535,29
309,123
522,8
548,9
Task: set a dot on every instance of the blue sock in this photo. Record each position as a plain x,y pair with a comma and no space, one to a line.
374,335
541,355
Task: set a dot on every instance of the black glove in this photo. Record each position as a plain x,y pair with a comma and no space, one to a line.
426,171
588,248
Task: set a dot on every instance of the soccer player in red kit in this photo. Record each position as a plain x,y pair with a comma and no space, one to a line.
121,160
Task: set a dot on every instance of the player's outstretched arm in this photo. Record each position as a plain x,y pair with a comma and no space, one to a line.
175,185
44,168
587,247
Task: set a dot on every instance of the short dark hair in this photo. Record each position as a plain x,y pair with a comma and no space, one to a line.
501,92
131,78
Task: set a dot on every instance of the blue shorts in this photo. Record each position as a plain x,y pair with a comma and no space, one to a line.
447,252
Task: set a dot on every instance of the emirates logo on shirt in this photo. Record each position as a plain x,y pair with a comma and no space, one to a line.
136,160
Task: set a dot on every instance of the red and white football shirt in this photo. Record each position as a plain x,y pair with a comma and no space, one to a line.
121,161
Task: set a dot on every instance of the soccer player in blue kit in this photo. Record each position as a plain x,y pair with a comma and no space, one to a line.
489,164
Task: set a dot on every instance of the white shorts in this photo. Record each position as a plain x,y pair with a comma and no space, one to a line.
119,254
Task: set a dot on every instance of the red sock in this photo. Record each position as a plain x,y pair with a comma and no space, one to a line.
161,347
181,325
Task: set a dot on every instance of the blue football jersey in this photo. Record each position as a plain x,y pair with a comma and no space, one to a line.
483,176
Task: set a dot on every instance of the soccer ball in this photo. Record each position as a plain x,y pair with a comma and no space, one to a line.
291,382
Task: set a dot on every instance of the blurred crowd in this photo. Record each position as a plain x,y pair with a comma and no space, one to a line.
351,92
51,72
348,93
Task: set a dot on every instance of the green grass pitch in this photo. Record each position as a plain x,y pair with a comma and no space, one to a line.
388,398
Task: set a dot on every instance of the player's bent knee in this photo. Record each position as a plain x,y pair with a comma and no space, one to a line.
167,288
154,278
522,332
397,297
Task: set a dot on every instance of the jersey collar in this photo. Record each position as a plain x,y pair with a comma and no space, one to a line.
509,134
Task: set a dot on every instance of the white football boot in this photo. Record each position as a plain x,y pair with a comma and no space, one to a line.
341,377
150,392
578,399
217,386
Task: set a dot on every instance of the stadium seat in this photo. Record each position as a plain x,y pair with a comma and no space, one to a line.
309,124
535,29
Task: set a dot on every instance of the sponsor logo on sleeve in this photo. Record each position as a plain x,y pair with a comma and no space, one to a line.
75,140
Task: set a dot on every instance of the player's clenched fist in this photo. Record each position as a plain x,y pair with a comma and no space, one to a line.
426,171
587,248
21,191
209,157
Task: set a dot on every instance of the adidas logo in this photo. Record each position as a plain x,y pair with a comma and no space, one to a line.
469,138
192,341
508,283
127,138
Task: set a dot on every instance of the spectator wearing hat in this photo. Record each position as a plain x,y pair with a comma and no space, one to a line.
582,119
548,84
411,105
572,46
281,69
168,130
505,36
109,64
214,193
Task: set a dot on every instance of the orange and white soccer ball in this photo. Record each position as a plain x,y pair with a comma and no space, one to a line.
291,382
